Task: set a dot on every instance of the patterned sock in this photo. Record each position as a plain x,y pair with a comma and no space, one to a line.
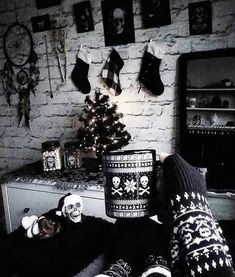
117,269
197,242
110,72
156,267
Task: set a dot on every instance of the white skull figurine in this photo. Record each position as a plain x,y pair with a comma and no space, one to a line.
116,182
144,181
118,20
72,208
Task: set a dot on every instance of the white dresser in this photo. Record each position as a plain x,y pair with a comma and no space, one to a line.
38,193
21,198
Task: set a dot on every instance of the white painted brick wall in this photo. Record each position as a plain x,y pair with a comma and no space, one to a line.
151,120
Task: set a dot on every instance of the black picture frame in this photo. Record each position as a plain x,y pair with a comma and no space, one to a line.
156,13
118,22
41,23
83,17
42,4
200,18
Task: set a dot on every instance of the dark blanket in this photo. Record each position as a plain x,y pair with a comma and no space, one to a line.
64,255
135,239
80,243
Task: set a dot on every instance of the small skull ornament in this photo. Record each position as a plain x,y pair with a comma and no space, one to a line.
72,208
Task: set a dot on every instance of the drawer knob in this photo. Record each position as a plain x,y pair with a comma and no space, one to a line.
26,210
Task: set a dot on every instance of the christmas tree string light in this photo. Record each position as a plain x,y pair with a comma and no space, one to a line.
101,129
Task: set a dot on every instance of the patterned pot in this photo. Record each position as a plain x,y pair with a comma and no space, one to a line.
130,181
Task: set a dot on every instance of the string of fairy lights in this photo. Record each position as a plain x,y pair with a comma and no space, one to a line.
101,129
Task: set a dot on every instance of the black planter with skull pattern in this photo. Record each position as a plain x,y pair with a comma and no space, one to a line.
130,182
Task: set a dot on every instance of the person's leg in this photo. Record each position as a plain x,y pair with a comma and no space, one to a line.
197,243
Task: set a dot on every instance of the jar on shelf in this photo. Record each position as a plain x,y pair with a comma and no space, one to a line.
51,155
71,155
216,102
192,102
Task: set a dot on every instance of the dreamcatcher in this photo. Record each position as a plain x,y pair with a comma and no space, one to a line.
20,73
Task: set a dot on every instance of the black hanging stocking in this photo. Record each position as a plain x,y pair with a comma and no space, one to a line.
149,72
79,74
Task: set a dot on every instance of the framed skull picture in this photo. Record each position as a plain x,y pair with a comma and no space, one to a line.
156,13
42,4
200,18
83,17
118,22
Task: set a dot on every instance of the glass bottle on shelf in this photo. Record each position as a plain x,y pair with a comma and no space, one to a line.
192,102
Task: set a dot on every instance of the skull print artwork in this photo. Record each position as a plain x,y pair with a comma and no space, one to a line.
72,208
116,181
50,162
118,20
116,190
71,160
144,180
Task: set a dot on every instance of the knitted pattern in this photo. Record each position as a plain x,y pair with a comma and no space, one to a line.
197,241
110,72
156,265
117,269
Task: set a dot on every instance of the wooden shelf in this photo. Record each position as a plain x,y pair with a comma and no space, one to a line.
210,89
212,109
201,130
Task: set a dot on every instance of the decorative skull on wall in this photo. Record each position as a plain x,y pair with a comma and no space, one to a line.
72,208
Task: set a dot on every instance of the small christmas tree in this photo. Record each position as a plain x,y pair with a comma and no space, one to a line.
101,129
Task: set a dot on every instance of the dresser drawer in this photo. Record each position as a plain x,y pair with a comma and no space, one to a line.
222,205
30,199
29,202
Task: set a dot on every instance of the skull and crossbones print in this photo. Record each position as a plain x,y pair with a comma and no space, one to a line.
72,208
115,188
144,180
